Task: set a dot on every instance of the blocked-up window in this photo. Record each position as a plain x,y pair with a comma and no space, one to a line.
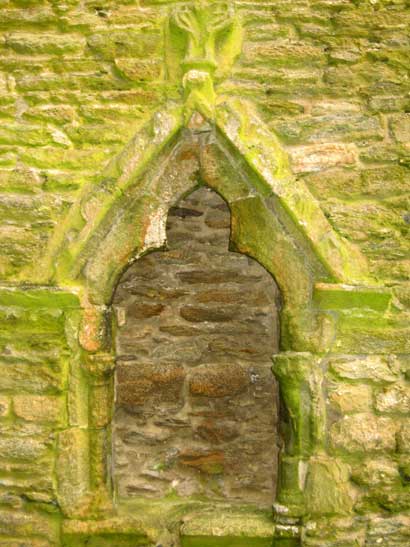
196,403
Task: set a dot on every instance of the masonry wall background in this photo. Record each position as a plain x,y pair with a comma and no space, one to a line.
331,78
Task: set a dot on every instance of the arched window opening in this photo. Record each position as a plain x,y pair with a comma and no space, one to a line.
196,403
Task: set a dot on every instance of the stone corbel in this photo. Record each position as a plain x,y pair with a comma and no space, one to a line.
212,41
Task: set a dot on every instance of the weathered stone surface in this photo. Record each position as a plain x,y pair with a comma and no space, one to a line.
14,523
219,380
388,530
197,315
403,437
364,433
4,406
318,157
39,408
400,127
327,487
159,382
348,398
73,471
374,368
376,473
395,399
335,530
250,528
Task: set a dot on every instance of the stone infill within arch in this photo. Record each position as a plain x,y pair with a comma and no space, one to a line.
196,407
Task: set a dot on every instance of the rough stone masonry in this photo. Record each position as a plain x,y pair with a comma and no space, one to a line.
196,398
301,109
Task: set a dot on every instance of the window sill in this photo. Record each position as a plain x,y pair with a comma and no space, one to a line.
197,523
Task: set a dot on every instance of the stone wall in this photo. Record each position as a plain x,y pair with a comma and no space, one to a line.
195,395
330,79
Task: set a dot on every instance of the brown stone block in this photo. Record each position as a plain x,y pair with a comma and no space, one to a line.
140,384
181,330
207,462
197,315
217,431
226,296
215,276
218,219
219,380
145,311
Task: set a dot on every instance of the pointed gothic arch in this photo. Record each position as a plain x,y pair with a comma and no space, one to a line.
275,220
123,214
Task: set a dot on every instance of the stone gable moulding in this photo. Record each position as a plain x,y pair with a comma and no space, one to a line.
274,220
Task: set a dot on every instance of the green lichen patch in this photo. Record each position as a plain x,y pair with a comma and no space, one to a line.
336,297
228,529
33,297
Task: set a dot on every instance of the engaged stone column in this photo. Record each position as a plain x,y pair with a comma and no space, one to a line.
310,481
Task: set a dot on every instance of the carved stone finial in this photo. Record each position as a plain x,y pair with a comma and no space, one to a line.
208,38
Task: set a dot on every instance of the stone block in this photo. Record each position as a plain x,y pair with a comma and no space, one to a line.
334,531
44,43
16,17
388,531
146,383
337,182
18,523
73,471
349,398
24,449
329,296
207,314
332,127
373,334
374,181
394,399
123,43
230,527
218,380
35,378
28,135
209,462
139,70
282,53
4,406
376,473
400,127
318,157
373,368
39,408
327,487
403,437
364,432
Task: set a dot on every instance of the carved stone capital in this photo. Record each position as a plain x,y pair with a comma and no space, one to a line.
99,366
